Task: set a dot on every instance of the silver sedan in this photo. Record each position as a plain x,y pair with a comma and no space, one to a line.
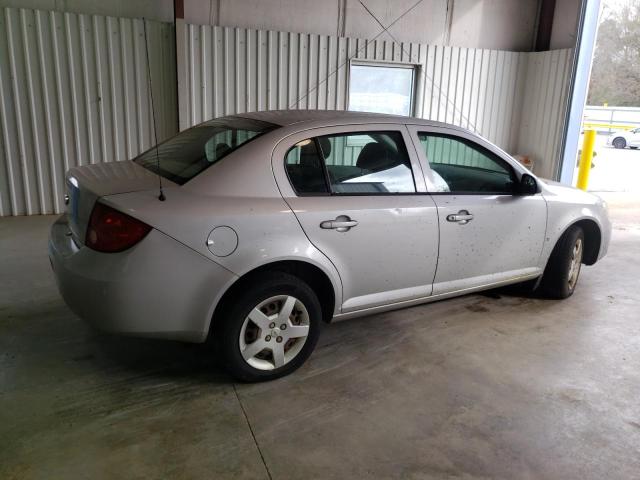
253,230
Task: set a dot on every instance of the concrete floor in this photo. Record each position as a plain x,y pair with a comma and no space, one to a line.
476,387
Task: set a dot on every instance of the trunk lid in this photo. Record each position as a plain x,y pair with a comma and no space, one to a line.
88,183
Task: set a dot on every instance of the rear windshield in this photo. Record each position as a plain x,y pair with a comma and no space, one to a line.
190,152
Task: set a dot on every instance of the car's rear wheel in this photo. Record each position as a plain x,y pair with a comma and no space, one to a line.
269,329
619,142
563,268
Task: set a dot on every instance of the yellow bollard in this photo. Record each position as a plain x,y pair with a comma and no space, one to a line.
586,158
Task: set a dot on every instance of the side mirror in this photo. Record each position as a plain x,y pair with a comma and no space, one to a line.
527,185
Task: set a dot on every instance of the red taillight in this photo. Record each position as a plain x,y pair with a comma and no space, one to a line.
112,231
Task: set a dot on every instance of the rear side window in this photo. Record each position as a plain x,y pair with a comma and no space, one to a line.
351,163
190,152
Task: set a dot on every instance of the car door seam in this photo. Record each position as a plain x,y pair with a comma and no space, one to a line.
275,180
435,273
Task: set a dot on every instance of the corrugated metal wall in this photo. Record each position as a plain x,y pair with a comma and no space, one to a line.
231,70
476,89
544,106
74,91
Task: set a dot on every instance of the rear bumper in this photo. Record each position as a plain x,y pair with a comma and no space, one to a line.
159,288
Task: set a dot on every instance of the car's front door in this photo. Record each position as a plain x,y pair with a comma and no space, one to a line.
488,233
359,195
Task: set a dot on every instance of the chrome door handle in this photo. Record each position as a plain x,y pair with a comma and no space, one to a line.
342,223
462,217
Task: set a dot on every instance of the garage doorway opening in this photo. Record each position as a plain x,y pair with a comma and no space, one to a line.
382,88
613,102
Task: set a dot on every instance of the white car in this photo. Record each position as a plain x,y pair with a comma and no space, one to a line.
625,138
270,224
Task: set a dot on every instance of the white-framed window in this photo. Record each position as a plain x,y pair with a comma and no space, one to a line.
382,88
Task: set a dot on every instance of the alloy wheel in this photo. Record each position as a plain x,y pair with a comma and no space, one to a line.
274,332
576,262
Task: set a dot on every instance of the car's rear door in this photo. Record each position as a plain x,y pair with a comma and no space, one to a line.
488,234
359,194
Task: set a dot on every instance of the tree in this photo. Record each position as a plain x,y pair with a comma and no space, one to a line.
615,76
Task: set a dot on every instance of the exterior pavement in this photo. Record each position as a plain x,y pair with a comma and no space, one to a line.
482,386
614,170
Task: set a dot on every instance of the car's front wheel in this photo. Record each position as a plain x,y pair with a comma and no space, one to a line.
270,328
619,142
563,268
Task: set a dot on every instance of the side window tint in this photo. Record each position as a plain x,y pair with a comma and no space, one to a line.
369,162
466,167
304,167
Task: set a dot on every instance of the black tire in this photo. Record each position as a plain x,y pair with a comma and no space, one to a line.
555,280
229,322
619,142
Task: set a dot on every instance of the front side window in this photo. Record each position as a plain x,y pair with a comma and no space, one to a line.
351,163
461,166
190,152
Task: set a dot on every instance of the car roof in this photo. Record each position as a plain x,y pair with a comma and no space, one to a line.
285,118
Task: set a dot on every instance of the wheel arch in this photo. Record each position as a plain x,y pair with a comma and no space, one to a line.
311,274
592,239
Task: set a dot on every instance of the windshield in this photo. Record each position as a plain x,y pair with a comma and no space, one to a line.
190,152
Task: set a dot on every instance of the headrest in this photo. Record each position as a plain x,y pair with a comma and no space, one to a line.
376,156
309,156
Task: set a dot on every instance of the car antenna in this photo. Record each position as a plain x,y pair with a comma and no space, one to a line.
161,196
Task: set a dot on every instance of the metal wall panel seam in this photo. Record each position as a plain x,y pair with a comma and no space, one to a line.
5,85
19,122
35,101
49,123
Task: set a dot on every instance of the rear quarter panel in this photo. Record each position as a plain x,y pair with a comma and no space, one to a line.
240,192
